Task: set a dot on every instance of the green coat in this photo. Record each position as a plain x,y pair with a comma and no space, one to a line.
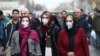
6,20
96,22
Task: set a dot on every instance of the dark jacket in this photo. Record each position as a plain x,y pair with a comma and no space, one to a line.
2,33
88,19
35,23
83,24
80,43
53,33
10,28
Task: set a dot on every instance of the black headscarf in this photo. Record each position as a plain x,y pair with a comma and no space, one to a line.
73,29
71,32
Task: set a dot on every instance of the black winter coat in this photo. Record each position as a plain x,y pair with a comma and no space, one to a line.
53,40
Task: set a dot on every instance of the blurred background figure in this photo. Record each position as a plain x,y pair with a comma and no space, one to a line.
64,14
89,21
96,27
3,38
25,12
81,21
91,14
60,20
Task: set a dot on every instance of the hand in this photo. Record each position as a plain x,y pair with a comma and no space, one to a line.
71,54
1,49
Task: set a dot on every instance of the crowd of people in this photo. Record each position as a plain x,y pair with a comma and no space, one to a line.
61,34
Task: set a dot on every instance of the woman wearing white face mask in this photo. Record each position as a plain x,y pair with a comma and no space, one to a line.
72,39
48,34
25,42
45,21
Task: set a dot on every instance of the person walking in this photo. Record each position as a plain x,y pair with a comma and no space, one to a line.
48,34
72,39
25,41
96,28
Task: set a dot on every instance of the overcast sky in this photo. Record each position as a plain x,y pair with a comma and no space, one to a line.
51,4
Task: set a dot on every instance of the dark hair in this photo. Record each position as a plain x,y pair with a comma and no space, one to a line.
45,12
72,19
69,15
73,29
81,9
64,11
1,12
30,22
15,10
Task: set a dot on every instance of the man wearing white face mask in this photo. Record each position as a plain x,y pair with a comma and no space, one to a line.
73,38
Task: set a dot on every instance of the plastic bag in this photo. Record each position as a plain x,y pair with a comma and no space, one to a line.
93,34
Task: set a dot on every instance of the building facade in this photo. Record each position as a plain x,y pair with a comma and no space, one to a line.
84,4
15,4
98,4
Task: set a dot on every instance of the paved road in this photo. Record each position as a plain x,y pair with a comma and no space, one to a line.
94,51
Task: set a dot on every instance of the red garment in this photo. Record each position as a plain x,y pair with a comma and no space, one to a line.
80,46
23,32
44,28
33,36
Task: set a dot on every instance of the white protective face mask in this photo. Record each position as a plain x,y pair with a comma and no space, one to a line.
69,25
45,21
25,24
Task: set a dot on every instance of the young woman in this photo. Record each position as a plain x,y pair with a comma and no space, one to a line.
48,32
72,39
25,42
